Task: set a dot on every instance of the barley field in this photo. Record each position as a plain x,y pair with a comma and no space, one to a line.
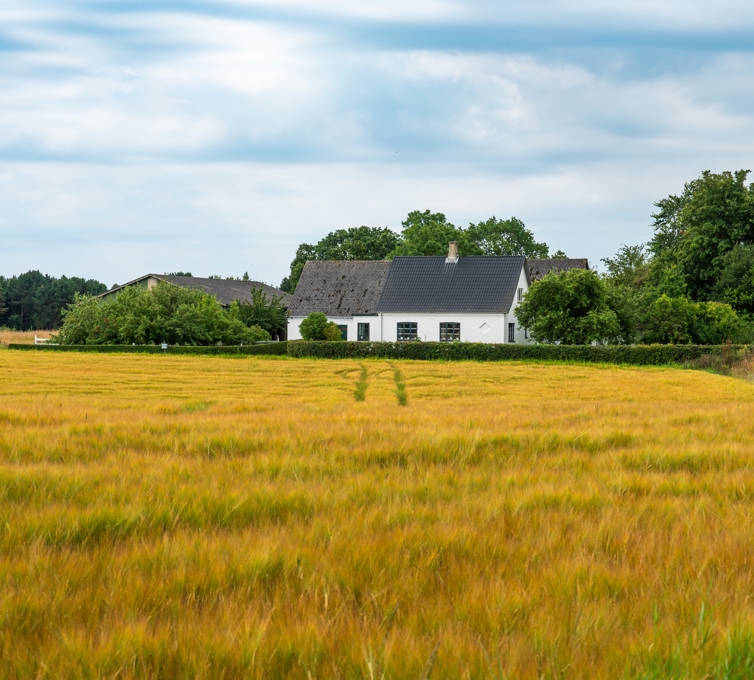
181,517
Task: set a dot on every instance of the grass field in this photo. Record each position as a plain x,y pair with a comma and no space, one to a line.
24,337
186,517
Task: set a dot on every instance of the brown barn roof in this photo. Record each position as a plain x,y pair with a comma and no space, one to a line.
540,268
339,288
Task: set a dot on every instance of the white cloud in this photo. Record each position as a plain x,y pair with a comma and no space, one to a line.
117,128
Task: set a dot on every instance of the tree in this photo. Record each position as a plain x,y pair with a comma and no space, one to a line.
357,243
506,237
36,301
317,327
165,313
559,255
269,314
571,307
629,267
2,301
696,230
669,321
426,233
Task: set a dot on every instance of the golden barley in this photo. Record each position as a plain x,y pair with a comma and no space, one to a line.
166,516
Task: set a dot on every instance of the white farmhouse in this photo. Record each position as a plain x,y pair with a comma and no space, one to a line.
472,299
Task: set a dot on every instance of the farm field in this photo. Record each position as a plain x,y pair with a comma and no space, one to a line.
169,516
25,337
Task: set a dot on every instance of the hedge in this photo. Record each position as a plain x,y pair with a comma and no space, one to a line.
647,355
232,350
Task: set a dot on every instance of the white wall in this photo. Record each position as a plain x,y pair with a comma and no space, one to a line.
352,323
520,332
474,327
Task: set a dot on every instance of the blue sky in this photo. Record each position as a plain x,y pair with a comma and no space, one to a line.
216,136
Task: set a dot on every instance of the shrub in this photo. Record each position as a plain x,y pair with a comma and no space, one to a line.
678,320
332,332
643,355
165,313
270,348
317,327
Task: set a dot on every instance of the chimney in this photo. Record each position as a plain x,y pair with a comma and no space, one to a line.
452,252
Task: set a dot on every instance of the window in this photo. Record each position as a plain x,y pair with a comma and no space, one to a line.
450,332
406,331
343,332
526,333
520,294
511,332
362,332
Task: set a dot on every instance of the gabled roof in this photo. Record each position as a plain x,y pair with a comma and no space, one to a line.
540,268
225,290
339,288
483,285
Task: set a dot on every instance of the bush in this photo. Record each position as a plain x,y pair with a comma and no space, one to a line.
678,320
332,332
641,355
269,348
317,327
165,313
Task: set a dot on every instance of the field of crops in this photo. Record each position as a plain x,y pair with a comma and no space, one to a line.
276,518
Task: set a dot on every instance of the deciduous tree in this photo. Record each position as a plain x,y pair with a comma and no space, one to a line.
506,237
572,308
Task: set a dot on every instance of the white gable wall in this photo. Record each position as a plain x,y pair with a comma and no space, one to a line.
520,332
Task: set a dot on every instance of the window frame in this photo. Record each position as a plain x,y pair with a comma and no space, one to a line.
360,328
520,295
401,333
454,327
511,332
343,331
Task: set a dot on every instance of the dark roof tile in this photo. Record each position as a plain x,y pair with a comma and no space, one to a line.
339,288
482,285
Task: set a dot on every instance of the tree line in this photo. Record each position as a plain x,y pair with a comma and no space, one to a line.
35,301
692,282
422,233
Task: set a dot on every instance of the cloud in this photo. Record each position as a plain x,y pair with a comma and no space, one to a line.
164,131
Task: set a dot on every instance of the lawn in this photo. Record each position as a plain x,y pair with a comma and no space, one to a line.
168,516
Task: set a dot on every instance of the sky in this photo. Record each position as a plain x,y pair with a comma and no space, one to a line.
214,137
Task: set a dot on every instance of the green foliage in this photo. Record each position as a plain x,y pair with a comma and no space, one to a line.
680,320
506,237
358,243
270,348
559,255
313,326
571,308
669,320
640,355
629,267
696,230
332,332
269,314
426,233
423,233
165,313
178,274
35,301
